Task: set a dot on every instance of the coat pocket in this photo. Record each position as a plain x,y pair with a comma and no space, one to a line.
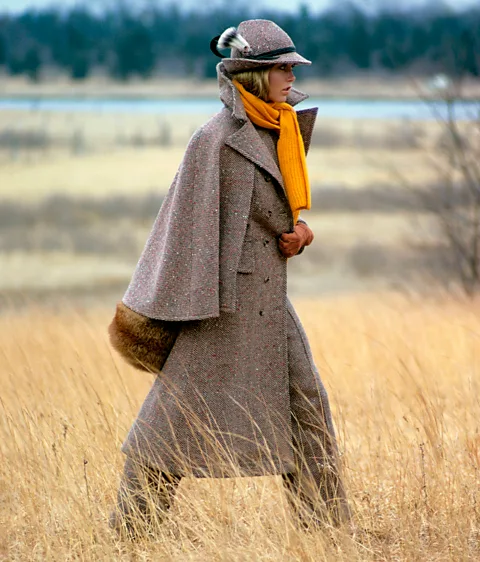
247,259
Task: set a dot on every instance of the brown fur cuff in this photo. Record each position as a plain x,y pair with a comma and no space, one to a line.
143,342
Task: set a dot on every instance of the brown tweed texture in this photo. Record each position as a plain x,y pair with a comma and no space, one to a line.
239,388
189,265
262,36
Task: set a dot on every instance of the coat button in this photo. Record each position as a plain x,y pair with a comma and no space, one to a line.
261,312
266,242
267,178
266,280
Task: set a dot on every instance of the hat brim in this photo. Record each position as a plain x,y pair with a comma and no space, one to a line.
240,65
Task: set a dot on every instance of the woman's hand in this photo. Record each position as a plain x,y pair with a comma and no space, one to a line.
290,243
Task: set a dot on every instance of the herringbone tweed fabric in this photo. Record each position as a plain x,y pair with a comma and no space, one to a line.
239,393
188,268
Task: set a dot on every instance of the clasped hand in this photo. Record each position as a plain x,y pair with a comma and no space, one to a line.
290,243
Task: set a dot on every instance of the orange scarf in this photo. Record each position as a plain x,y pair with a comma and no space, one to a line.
290,149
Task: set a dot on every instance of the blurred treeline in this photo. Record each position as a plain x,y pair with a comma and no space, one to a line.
166,40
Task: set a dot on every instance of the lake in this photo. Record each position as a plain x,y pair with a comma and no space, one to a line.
333,108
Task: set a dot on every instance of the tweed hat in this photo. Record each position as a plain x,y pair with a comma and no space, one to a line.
254,44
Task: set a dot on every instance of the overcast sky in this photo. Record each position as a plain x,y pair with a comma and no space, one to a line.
284,5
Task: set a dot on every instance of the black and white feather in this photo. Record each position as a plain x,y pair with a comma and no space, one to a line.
230,38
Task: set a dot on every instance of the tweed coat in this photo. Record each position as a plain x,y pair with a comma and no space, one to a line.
212,261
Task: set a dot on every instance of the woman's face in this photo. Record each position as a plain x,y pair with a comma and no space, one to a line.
280,80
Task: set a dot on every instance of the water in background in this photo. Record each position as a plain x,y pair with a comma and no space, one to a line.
348,109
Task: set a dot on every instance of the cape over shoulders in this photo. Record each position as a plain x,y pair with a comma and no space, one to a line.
215,132
180,271
216,129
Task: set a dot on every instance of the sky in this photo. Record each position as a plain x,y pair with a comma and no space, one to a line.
283,5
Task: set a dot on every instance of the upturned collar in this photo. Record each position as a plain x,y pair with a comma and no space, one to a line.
231,97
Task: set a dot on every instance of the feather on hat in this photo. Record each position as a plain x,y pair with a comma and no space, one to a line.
254,44
230,38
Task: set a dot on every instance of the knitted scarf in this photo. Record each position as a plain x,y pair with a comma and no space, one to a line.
291,152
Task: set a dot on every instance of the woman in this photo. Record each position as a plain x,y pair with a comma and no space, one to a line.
239,394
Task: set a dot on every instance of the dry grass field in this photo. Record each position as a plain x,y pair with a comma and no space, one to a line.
79,192
403,378
78,195
101,154
127,171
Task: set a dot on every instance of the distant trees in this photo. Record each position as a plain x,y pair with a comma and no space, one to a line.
77,58
32,63
359,45
3,53
124,43
134,50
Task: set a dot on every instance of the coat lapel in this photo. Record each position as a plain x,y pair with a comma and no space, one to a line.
306,122
247,142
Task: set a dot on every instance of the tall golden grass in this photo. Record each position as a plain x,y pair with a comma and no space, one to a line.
403,378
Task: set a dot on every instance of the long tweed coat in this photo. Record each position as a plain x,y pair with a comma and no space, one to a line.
225,396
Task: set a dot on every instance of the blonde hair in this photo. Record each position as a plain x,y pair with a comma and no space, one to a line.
255,81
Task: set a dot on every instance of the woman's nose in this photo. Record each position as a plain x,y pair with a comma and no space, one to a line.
291,76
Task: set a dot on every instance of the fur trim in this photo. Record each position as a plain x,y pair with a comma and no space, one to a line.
230,38
143,342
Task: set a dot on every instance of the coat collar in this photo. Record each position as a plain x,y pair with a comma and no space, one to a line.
246,140
231,97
